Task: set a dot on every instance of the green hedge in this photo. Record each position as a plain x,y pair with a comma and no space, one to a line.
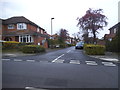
10,45
63,45
32,49
69,45
14,45
94,49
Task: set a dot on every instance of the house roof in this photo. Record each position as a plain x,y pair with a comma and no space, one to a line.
109,35
19,19
116,25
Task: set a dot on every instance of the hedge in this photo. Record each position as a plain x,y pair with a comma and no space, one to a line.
63,45
33,49
69,45
10,45
94,49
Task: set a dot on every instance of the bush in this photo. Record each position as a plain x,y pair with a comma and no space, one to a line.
94,49
10,45
69,45
22,44
113,46
32,49
63,45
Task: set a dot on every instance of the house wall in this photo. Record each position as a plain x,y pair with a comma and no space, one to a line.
38,39
31,27
111,31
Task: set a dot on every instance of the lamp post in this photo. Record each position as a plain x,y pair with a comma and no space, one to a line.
51,26
51,33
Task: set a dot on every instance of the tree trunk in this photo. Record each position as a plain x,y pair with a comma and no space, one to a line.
94,37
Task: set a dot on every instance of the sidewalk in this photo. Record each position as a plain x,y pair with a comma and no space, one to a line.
109,56
19,53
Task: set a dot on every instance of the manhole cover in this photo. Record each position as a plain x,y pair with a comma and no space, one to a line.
56,82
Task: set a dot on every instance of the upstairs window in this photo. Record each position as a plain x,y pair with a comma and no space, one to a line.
11,26
42,32
115,30
21,26
38,29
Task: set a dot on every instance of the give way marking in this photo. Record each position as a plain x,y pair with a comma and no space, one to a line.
58,58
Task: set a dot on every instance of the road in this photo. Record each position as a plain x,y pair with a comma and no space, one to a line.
66,68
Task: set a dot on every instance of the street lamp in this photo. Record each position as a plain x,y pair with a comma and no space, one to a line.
51,33
51,26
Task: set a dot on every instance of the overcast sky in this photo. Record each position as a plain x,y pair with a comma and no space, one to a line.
65,12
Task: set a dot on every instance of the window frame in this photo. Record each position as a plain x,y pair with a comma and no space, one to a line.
21,26
26,38
11,26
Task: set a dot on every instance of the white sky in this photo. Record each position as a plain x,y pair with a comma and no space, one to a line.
65,12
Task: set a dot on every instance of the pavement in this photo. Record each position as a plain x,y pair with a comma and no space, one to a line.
19,53
109,56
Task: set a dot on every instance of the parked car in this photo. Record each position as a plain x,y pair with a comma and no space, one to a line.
79,45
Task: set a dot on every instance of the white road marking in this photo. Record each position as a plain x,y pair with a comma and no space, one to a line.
108,64
5,59
74,61
59,61
44,61
30,60
91,63
17,60
110,59
58,58
33,88
68,51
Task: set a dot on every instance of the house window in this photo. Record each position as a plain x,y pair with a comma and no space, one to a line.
110,39
21,26
11,26
25,38
41,31
38,29
114,30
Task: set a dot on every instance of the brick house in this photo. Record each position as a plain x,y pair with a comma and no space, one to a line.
21,29
69,40
113,31
110,36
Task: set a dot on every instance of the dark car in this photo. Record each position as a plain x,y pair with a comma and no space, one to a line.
79,45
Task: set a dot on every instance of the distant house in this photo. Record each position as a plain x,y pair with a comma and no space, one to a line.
55,37
69,40
113,31
21,29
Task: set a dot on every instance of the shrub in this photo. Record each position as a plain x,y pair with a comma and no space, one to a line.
63,45
94,49
32,49
22,44
69,45
10,45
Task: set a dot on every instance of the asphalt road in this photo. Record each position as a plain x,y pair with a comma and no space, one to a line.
66,68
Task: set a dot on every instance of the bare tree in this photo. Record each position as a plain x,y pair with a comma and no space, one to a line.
63,35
